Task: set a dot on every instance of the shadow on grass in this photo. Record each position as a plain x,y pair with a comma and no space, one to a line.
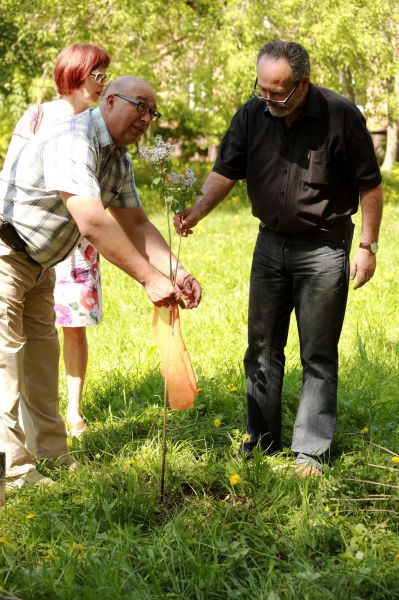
126,413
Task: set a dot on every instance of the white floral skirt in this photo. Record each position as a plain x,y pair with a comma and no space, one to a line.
77,294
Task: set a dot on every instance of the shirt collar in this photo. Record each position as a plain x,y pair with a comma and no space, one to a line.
104,135
312,106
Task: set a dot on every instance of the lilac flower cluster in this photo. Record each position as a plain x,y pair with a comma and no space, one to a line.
158,154
185,181
174,177
177,191
188,179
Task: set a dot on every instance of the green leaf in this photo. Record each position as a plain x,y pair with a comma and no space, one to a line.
156,182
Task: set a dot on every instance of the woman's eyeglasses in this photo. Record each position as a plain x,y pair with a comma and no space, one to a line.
100,77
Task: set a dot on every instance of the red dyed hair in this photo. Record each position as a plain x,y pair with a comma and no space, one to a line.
75,63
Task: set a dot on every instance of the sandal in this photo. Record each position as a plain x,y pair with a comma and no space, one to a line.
76,430
307,470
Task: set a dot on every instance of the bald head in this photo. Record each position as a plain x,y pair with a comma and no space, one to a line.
119,105
123,85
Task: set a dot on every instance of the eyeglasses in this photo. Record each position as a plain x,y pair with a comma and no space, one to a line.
256,94
142,108
101,77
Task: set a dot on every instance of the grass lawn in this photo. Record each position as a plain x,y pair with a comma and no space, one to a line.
100,533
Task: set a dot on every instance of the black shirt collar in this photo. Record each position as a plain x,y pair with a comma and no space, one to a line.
312,106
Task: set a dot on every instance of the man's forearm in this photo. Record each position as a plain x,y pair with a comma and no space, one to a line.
112,243
108,237
152,245
214,190
371,206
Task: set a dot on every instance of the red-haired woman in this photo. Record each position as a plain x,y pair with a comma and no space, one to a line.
80,76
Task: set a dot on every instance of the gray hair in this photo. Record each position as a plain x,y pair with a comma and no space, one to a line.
295,54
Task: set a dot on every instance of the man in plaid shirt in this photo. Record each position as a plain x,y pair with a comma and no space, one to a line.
56,193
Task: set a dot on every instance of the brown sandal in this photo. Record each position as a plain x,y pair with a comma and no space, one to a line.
76,430
307,470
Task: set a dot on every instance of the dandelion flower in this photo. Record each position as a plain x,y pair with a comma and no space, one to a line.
217,422
79,548
234,479
233,388
30,516
364,431
395,459
246,437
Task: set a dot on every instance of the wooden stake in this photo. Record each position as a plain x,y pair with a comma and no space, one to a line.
2,478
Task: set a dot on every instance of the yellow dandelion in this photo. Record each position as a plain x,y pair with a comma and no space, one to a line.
246,437
364,431
129,463
97,455
79,548
30,516
217,422
233,388
234,479
395,459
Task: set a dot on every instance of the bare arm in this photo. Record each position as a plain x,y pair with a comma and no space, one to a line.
214,190
115,245
364,262
148,239
152,245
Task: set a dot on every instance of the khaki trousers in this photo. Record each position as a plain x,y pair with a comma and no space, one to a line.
29,356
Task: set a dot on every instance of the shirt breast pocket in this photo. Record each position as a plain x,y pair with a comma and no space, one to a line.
318,172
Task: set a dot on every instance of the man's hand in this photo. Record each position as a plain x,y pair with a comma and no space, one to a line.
215,188
186,220
160,290
189,288
363,267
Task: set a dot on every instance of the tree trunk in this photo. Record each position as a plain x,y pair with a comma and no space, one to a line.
391,150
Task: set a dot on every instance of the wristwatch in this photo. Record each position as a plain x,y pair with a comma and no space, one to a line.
373,247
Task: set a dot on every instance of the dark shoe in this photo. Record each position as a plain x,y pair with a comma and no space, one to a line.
246,450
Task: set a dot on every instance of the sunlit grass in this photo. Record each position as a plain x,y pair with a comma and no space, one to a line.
228,529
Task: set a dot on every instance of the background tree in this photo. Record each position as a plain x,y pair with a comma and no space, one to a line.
200,54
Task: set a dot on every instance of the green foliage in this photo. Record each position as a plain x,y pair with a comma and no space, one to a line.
101,533
200,55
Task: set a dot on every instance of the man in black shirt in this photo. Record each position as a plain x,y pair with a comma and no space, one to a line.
307,157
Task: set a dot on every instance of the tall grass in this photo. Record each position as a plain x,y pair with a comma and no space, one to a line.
101,532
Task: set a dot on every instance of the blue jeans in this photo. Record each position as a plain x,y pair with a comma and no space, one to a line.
310,274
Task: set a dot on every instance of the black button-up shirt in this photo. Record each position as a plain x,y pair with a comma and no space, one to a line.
306,177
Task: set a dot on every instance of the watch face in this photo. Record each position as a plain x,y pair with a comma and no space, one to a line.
374,247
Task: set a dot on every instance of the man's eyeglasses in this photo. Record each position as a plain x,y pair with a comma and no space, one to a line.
142,108
256,94
100,77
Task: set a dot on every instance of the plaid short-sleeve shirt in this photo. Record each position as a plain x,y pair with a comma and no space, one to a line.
79,157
